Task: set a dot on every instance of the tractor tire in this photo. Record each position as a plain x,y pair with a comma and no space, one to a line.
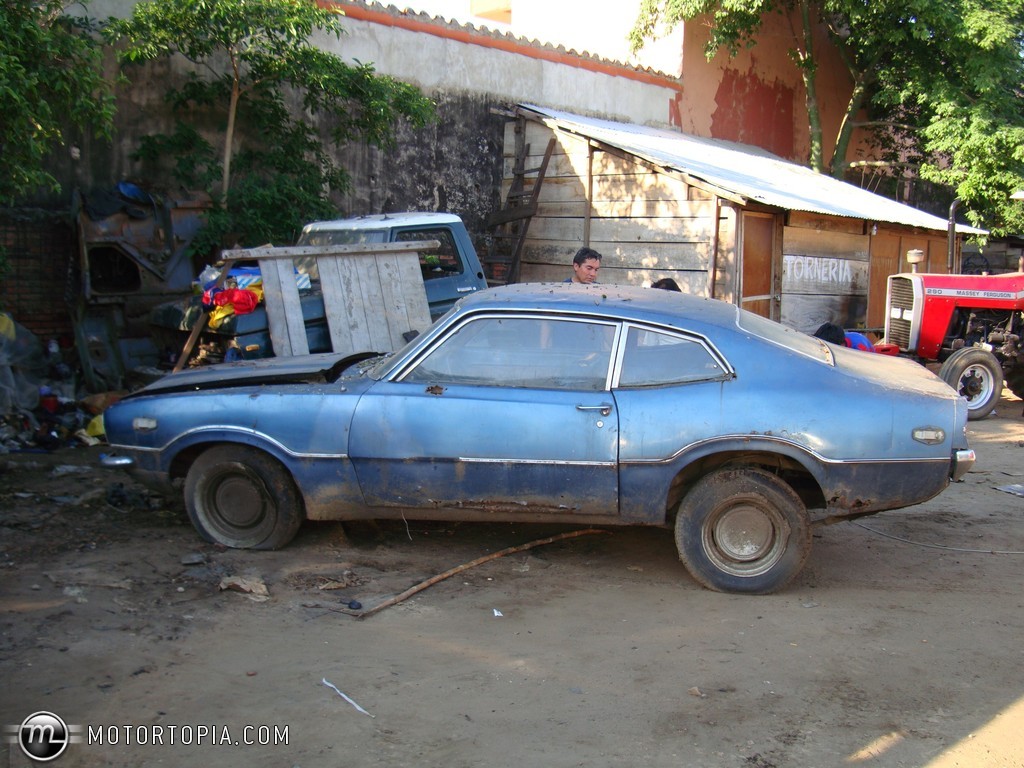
977,376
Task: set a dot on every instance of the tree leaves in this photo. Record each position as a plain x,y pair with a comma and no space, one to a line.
51,82
254,57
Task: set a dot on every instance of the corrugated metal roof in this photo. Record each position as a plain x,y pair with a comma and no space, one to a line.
747,172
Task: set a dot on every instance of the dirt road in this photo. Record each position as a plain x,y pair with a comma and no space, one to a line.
900,644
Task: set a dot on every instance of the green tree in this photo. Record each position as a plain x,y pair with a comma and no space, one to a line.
252,59
937,83
51,85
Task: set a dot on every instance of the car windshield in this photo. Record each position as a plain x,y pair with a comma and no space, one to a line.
785,337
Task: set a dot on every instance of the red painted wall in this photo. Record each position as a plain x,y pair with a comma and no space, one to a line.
751,111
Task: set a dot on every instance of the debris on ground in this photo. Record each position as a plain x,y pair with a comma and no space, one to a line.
251,586
41,409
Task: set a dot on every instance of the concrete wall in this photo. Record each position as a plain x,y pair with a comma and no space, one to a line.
457,58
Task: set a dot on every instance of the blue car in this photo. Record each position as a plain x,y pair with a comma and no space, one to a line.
567,403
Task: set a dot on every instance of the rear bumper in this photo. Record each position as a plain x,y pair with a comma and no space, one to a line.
962,463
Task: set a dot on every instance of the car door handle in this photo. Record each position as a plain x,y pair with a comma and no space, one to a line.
604,408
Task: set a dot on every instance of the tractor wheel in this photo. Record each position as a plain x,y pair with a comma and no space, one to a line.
976,375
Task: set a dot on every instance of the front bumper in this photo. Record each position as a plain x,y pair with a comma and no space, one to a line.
116,461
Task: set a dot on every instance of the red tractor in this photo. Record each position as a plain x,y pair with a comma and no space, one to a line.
972,324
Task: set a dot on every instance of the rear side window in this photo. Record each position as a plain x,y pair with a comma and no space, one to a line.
652,358
442,262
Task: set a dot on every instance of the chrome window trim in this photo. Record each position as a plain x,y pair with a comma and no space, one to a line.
403,368
727,370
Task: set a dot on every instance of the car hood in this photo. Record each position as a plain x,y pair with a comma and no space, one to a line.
245,373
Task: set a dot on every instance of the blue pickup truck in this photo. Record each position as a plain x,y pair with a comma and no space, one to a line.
451,271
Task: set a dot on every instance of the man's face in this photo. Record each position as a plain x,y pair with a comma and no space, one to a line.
587,271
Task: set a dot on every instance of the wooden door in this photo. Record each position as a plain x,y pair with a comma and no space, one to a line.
759,290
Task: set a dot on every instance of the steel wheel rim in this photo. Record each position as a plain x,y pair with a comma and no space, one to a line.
976,384
237,504
746,538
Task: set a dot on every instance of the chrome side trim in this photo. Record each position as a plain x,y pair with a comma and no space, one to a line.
554,462
774,439
229,428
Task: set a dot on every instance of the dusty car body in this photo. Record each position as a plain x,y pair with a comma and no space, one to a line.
564,403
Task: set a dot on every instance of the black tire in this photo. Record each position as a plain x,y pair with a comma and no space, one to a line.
977,376
743,531
242,498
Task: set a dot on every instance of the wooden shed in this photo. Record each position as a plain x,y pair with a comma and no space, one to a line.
722,219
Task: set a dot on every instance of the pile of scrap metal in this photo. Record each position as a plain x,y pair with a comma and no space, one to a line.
133,254
39,407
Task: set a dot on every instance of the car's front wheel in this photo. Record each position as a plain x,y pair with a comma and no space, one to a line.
743,530
975,374
243,498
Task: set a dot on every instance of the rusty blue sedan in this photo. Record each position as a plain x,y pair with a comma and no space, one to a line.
563,403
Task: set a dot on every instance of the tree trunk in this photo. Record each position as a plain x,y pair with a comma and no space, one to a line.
808,70
839,160
229,134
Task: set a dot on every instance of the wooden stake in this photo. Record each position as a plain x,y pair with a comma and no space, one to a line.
472,564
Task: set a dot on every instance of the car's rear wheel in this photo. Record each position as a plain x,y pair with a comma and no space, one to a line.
743,530
243,498
976,375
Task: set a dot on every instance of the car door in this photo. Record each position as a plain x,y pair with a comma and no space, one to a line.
504,413
669,388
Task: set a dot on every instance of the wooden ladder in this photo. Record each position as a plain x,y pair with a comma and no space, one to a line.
508,227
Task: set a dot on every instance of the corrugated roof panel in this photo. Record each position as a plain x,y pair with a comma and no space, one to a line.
747,171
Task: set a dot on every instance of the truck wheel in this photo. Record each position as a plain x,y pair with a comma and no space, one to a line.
743,531
976,375
242,498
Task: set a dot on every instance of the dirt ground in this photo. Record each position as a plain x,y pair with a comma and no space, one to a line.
899,645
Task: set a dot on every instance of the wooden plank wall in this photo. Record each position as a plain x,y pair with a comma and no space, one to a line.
647,225
825,271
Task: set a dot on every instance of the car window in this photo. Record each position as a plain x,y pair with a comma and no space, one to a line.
652,358
533,352
442,262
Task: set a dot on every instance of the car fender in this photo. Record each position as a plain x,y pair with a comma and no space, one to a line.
649,490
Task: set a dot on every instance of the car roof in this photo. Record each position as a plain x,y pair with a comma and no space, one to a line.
621,301
384,220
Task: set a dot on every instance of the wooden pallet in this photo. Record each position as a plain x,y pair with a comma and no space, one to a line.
374,297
